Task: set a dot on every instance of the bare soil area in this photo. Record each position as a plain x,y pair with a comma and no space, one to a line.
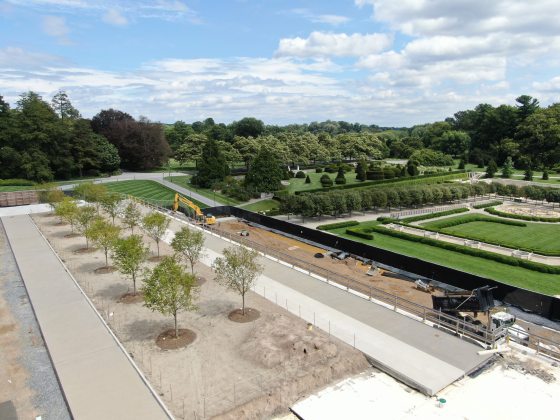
249,315
168,341
232,370
385,280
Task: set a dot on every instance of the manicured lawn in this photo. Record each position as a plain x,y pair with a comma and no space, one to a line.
263,205
537,236
516,276
184,181
147,190
298,184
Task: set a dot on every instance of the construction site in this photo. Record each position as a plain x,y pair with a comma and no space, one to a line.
335,334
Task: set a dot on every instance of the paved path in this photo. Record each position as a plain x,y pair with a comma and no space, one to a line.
97,378
421,356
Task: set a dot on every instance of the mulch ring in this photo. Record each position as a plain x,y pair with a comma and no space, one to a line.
59,223
72,235
104,270
200,280
249,316
131,298
167,341
85,250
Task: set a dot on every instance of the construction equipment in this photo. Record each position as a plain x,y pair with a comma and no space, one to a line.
200,217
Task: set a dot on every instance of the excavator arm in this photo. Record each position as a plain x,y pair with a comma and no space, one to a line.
210,220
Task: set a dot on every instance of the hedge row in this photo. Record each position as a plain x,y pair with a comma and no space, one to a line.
444,176
338,225
13,182
360,233
489,204
434,215
495,212
504,259
455,221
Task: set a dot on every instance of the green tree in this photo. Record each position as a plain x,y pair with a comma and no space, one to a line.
53,196
461,164
189,244
104,235
190,149
67,210
212,167
491,169
340,178
507,169
132,216
265,173
169,290
361,170
63,107
84,218
248,127
156,224
528,175
129,255
111,204
545,174
238,270
307,180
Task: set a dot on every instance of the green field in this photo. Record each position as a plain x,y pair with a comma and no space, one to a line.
263,205
149,191
516,276
184,181
534,236
298,184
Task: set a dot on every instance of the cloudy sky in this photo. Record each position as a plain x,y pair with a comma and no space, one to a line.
386,62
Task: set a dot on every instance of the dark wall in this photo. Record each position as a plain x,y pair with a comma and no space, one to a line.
527,300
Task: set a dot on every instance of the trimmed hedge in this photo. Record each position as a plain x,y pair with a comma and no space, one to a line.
504,259
434,215
13,182
444,176
338,225
486,205
495,212
360,233
475,218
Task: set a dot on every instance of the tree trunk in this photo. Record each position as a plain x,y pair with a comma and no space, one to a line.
176,329
106,257
243,304
157,243
134,284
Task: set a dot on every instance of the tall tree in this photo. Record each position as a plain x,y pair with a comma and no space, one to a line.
156,224
169,290
104,235
189,244
265,173
63,107
129,255
212,167
238,270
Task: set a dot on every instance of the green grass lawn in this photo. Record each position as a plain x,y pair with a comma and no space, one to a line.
536,236
147,190
184,181
544,283
263,205
298,184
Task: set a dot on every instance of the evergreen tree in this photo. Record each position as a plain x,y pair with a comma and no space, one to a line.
265,173
212,167
507,169
491,169
545,175
528,175
461,164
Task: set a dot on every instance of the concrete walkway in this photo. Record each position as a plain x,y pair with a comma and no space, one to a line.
424,358
97,377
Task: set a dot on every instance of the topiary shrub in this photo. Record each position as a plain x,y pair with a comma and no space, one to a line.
318,170
307,180
300,174
326,181
292,174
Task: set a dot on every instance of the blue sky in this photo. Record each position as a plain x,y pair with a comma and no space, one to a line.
386,62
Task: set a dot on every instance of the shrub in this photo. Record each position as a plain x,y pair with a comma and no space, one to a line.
16,182
486,205
345,167
340,179
545,175
428,157
300,174
292,174
326,181
495,212
307,180
469,218
461,164
332,226
318,170
360,234
331,169
434,215
528,175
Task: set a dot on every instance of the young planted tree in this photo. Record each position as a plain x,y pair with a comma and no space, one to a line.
132,216
156,224
238,270
103,235
84,219
507,169
110,203
169,290
129,255
67,209
92,193
491,169
54,196
189,245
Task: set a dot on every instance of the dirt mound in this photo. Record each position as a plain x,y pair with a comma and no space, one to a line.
304,359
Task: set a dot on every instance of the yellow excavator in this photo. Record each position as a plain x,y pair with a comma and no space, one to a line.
199,216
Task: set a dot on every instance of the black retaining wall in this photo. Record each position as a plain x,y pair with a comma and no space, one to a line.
529,301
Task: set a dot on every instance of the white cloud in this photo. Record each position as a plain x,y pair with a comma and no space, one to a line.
323,44
329,19
114,17
56,27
